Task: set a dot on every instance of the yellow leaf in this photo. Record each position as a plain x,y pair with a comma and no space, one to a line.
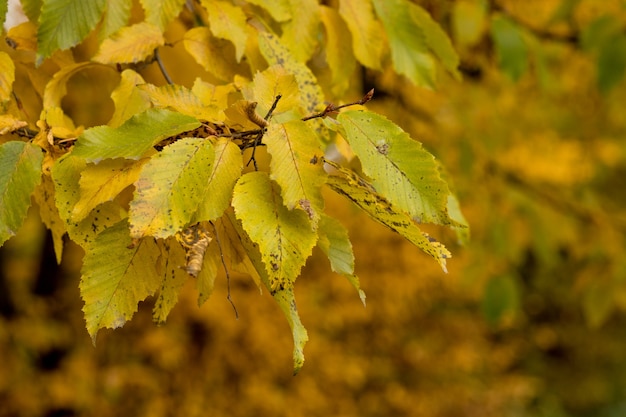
212,95
128,100
56,88
280,10
23,37
8,124
339,54
7,76
267,86
172,278
161,12
103,182
367,32
44,197
182,100
131,44
301,32
228,22
217,56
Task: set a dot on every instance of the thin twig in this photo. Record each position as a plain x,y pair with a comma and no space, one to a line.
271,110
219,245
157,56
331,108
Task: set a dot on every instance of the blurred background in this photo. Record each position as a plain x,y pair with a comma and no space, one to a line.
529,321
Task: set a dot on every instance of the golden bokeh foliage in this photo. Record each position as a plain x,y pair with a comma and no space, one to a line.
529,320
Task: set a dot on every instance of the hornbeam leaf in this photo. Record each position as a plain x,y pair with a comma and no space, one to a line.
115,17
183,100
56,88
284,297
103,182
218,191
401,169
116,276
130,44
280,10
409,48
161,12
44,197
134,138
339,53
167,192
267,86
293,148
335,243
285,237
128,100
20,173
64,23
228,22
215,55
300,33
367,32
172,278
378,208
7,76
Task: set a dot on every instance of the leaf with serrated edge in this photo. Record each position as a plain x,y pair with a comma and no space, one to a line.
335,243
20,173
285,237
300,33
183,100
172,278
115,17
146,130
44,197
367,32
116,276
401,169
284,297
64,23
166,192
218,191
7,76
293,147
363,195
128,100
161,12
228,22
130,44
103,182
268,85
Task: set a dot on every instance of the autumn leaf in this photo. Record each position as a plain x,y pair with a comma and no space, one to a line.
130,44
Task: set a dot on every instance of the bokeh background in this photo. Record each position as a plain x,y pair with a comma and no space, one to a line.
529,321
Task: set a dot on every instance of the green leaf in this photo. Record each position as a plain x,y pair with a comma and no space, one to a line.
161,12
284,297
378,208
501,299
335,243
20,173
339,54
599,302
293,166
66,173
65,23
367,40
511,49
130,45
611,64
300,33
409,49
167,192
116,16
228,22
218,191
7,76
116,276
3,11
278,54
285,237
103,182
146,130
32,9
401,169
172,278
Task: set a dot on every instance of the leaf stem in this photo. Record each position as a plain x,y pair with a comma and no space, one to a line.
159,61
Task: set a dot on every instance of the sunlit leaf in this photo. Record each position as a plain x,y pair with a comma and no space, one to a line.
9,124
368,40
339,54
267,86
20,173
283,296
510,47
128,100
300,33
285,237
212,95
64,23
116,16
293,166
130,44
401,169
218,191
228,22
161,12
280,10
116,276
23,37
215,55
335,243
103,182
378,208
409,49
146,130
167,191
7,76
183,100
